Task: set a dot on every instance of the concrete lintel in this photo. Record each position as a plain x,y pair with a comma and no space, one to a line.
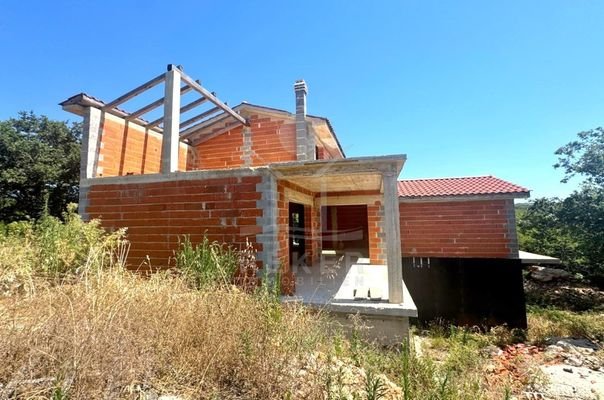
377,164
175,176
343,200
299,197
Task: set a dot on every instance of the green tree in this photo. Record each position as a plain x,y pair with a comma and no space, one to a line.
573,228
541,230
584,156
39,166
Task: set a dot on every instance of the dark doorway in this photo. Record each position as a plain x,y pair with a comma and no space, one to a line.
297,242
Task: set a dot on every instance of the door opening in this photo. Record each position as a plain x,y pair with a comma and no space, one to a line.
297,242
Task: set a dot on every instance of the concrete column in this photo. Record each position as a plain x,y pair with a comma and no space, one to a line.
392,230
246,149
89,154
91,135
302,131
171,138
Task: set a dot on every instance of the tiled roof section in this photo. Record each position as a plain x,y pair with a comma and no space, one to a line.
470,186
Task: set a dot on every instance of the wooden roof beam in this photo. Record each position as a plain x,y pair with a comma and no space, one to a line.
135,92
205,93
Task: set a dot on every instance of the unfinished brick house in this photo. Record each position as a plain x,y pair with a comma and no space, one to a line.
282,181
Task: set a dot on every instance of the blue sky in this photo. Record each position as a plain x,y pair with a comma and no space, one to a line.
462,88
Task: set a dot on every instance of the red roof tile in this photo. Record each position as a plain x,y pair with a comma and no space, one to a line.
477,185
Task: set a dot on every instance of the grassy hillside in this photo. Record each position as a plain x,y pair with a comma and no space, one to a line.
75,324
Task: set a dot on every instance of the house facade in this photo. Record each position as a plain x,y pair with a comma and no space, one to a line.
282,181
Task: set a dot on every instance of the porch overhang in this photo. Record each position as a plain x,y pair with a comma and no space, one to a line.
354,175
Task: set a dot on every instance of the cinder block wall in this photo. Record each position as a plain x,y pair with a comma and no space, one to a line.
129,149
157,214
482,229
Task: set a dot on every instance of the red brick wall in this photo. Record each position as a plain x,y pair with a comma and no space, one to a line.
457,229
127,149
375,224
223,151
272,140
158,214
351,220
312,223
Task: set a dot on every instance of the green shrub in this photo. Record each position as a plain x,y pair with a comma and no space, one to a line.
207,263
55,249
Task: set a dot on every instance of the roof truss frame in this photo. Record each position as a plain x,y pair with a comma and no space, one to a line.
189,85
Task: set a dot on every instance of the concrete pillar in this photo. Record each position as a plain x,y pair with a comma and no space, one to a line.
91,136
392,230
246,149
305,147
171,138
89,154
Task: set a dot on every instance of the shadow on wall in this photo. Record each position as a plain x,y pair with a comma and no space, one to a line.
467,291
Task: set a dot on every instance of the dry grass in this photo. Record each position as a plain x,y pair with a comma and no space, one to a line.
101,337
545,324
74,324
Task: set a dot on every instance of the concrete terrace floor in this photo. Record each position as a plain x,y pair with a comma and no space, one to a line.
340,283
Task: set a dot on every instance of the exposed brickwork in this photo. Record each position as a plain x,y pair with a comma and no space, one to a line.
272,140
375,224
222,151
126,149
324,154
158,214
312,223
458,229
350,229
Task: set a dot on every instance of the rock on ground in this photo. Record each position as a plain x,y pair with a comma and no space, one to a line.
580,383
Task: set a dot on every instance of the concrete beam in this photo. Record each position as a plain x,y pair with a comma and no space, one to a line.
392,229
171,138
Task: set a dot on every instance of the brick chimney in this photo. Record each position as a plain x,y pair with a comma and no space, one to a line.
305,141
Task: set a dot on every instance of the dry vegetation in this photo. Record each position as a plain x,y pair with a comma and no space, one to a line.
74,324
